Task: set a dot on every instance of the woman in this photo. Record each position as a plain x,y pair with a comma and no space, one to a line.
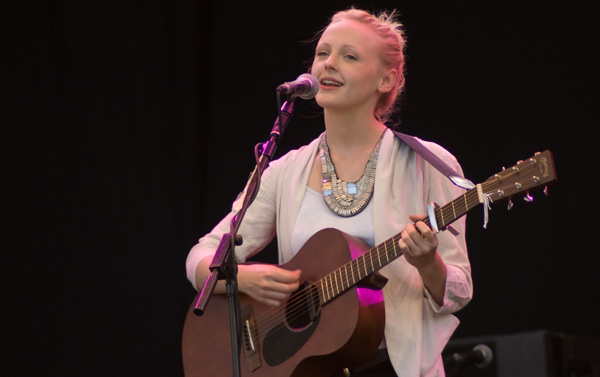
359,178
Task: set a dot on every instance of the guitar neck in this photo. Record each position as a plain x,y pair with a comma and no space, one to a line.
348,275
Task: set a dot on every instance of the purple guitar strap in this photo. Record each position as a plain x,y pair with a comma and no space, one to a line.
429,156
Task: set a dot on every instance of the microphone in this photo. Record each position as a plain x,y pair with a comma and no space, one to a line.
305,86
481,356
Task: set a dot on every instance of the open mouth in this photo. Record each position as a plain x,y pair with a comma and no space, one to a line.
330,83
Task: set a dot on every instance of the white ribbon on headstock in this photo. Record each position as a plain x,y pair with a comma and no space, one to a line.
484,198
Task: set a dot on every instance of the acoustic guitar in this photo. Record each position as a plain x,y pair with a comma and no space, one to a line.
336,319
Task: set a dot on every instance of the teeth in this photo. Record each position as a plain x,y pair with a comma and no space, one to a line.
330,83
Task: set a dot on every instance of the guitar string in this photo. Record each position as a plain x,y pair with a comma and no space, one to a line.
296,306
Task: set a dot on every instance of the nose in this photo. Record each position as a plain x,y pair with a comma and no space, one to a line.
330,63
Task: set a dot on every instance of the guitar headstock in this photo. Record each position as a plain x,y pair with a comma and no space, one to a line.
525,176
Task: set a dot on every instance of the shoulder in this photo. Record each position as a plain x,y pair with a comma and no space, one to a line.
440,151
297,156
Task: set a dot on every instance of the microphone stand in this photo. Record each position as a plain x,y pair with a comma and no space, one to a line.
224,266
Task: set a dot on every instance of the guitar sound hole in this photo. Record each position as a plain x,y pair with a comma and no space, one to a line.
303,308
302,314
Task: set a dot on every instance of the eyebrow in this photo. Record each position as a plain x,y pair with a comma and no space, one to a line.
325,44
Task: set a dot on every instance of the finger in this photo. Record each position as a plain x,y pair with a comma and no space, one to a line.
284,288
285,276
416,218
270,302
405,242
282,280
416,241
269,294
412,235
424,230
275,295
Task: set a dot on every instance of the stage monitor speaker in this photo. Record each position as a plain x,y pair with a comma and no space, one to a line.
530,354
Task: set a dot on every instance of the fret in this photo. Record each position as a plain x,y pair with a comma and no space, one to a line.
364,264
426,221
357,268
346,271
352,273
320,293
466,203
336,290
371,258
378,257
387,257
333,284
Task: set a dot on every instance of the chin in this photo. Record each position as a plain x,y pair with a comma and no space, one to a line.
327,100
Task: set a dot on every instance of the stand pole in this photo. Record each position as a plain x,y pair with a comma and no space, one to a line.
224,266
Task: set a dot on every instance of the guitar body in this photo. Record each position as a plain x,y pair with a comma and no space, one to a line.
343,333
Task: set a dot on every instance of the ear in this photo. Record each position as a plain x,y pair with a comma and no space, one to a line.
388,80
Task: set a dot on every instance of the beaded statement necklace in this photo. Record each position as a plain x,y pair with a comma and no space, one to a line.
347,198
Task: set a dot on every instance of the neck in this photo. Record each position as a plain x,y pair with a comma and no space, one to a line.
347,131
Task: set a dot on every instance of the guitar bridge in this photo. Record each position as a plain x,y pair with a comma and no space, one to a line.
250,335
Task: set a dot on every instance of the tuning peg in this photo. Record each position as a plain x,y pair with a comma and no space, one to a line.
528,198
510,204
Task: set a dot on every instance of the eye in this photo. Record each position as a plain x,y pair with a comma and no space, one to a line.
350,57
322,53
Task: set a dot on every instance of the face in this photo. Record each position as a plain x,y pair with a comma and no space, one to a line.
348,67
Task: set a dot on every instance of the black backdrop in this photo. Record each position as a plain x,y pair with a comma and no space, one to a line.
129,128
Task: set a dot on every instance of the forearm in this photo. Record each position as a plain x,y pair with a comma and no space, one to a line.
434,278
202,273
265,283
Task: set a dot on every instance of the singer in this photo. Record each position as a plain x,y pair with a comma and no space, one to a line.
357,177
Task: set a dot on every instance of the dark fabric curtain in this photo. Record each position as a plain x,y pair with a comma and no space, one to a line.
129,126
106,121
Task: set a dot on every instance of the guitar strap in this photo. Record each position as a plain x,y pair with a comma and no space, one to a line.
434,160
